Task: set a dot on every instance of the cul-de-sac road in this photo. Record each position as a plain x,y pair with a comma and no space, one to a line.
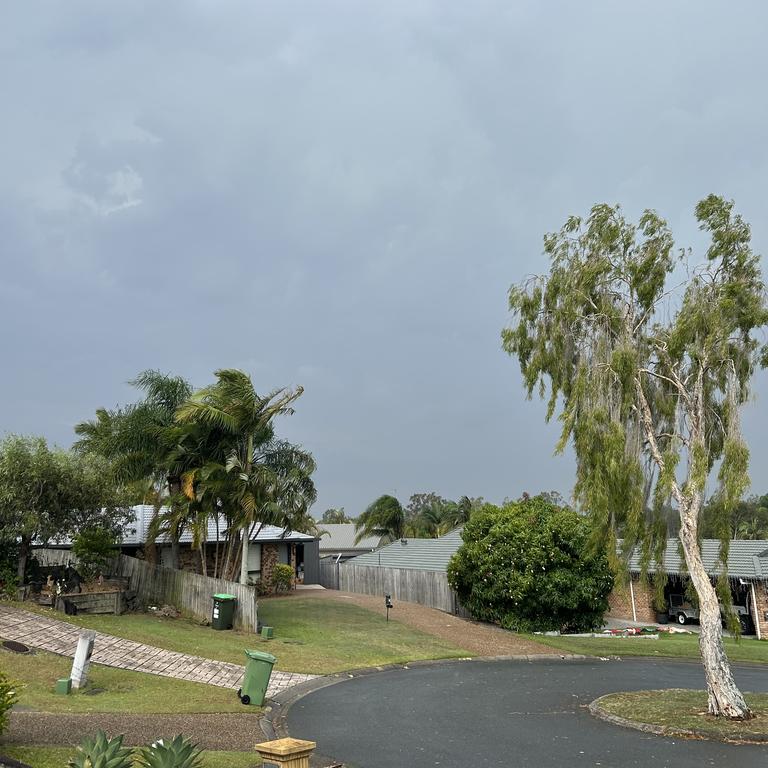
515,714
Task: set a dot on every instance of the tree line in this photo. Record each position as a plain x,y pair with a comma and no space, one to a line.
198,456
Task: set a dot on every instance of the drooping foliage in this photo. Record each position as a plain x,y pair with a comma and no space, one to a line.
647,361
528,566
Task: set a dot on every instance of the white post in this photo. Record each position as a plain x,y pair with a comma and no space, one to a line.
632,595
754,610
244,560
82,659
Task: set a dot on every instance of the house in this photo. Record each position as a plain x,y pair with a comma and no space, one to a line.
631,600
337,541
414,554
747,573
269,545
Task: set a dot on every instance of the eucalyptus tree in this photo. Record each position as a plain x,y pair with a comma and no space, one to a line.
648,363
384,518
269,481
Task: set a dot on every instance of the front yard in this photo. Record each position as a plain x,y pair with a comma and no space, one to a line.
672,645
311,636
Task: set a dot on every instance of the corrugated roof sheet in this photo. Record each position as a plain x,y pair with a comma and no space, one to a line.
135,532
746,559
419,554
341,537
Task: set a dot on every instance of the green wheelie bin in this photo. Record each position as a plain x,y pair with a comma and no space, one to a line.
258,669
223,613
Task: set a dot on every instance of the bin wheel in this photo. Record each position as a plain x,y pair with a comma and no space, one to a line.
239,692
245,699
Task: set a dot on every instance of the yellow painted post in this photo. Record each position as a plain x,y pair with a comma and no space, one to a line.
286,753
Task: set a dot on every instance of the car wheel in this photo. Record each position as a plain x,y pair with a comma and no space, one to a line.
681,618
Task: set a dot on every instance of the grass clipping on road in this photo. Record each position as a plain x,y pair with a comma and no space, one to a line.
681,712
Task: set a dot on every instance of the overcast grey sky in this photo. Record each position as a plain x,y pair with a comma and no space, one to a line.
339,194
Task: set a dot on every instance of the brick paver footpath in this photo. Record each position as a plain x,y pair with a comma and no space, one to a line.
61,637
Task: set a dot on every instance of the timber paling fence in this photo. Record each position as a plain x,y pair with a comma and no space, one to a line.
412,585
155,585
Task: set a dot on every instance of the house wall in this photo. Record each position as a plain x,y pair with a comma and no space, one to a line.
620,601
761,606
269,559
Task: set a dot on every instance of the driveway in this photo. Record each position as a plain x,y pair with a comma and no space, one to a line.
503,713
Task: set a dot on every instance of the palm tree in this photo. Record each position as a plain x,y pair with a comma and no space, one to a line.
384,518
142,441
268,481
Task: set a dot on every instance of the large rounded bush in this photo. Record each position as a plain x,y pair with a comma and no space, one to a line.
527,566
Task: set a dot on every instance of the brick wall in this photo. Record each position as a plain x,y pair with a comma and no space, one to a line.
620,601
761,606
268,563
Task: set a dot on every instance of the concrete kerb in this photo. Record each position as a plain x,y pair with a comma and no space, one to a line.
596,710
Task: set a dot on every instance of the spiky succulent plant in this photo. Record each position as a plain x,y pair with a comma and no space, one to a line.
102,752
178,753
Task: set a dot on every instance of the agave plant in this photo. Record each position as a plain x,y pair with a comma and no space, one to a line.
102,752
179,753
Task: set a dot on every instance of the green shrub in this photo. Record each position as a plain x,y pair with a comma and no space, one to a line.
94,549
527,566
282,577
8,584
8,697
102,752
179,753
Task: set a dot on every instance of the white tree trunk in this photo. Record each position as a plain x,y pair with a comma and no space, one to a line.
723,696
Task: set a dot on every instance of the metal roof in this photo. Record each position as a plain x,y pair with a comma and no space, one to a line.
340,537
419,554
746,559
135,532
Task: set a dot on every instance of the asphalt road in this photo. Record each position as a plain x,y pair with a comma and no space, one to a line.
513,714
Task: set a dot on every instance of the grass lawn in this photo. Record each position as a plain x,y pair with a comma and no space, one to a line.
56,757
123,691
679,709
315,636
676,646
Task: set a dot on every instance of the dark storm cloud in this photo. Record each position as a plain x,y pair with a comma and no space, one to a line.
339,195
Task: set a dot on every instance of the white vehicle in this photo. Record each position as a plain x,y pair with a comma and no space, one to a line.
683,611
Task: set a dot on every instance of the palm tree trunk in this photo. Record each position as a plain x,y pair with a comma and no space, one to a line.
216,550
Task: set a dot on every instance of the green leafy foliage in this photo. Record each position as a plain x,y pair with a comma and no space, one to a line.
528,566
649,361
336,516
102,752
385,517
94,548
282,577
8,697
178,753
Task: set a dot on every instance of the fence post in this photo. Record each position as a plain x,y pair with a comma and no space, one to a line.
286,753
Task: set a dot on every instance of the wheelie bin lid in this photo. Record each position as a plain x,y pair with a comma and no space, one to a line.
260,656
224,596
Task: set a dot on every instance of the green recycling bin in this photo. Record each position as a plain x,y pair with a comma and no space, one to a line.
258,669
223,612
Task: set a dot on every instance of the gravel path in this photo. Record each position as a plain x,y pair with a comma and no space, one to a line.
229,732
479,638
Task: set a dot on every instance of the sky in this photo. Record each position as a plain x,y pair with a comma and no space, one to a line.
338,195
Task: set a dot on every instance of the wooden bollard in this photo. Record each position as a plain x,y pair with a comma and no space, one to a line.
286,753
